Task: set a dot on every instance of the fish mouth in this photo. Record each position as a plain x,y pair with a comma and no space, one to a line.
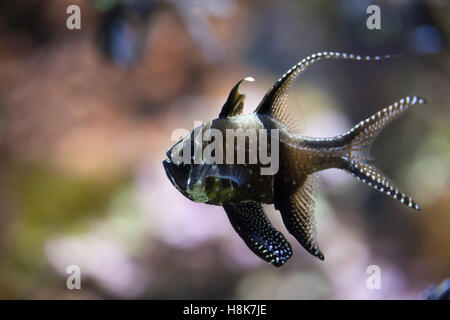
170,171
167,163
176,174
168,167
168,155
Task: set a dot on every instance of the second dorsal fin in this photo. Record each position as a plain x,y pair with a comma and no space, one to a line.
235,102
274,102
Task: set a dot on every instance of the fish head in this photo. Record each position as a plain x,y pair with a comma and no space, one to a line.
177,170
184,172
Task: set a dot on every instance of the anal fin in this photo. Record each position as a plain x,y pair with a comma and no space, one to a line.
297,211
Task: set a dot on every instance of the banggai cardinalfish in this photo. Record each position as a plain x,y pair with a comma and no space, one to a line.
241,187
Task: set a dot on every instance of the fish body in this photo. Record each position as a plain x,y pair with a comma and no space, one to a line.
243,161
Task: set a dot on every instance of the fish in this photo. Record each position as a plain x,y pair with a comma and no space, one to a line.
242,188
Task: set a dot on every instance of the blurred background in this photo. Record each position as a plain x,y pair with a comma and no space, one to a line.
87,115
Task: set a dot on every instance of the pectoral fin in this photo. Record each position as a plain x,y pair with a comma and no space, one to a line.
235,173
297,211
250,222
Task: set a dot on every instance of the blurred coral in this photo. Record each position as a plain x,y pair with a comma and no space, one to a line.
87,115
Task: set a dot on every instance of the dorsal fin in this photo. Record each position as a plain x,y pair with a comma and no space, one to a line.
274,102
235,102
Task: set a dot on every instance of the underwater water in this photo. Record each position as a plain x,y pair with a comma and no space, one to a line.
87,115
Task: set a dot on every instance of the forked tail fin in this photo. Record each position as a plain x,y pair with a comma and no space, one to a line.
358,141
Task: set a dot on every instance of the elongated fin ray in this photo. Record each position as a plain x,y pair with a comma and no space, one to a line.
235,102
373,177
251,223
361,136
274,102
297,211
